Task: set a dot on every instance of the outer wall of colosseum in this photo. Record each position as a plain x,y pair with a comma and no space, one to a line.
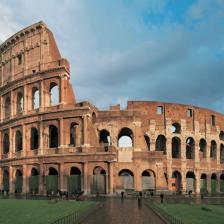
48,141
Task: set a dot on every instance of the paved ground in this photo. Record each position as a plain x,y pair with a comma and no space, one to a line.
126,211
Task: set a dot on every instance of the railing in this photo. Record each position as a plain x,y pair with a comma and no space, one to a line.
170,219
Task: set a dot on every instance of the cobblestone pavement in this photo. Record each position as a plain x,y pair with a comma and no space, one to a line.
126,211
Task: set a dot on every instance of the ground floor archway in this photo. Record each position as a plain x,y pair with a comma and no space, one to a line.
98,181
148,180
34,181
222,183
190,181
126,179
6,180
213,183
19,182
74,181
52,181
176,181
203,183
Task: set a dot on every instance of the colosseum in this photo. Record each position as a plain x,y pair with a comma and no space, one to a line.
49,141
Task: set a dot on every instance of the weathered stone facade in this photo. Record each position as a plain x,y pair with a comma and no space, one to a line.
48,140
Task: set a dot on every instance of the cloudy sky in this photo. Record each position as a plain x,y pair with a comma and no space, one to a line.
119,50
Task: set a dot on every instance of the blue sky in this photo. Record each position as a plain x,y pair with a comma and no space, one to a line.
123,50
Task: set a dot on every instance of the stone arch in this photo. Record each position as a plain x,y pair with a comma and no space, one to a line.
202,148
105,137
35,98
93,117
98,184
148,180
53,136
147,141
54,94
176,181
222,182
126,178
18,141
213,183
190,148
7,107
34,138
19,103
190,181
176,128
6,143
176,148
19,181
161,143
34,181
52,181
125,138
6,180
221,135
213,150
203,183
73,134
221,153
74,180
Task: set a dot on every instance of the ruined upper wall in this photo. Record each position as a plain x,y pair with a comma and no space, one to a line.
31,50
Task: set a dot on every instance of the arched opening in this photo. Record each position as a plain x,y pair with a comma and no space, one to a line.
190,145
7,107
147,141
98,185
54,94
190,181
161,143
73,134
34,181
203,148
105,137
203,184
126,179
213,183
6,143
19,103
125,138
52,181
222,183
74,181
18,141
176,128
176,181
35,98
53,136
93,117
221,153
213,149
148,180
19,182
34,140
6,180
176,148
221,135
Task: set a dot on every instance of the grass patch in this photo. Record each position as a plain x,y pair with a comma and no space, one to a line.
195,214
38,211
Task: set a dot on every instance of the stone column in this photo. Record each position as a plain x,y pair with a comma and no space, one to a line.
1,178
42,187
198,183
12,104
25,139
85,178
85,130
25,179
218,184
61,124
11,180
111,177
184,182
25,102
11,142
61,177
209,183
42,96
41,135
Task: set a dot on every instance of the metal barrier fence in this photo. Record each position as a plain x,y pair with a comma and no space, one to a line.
170,219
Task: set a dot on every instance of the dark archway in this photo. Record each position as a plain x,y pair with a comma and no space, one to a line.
98,185
19,103
104,137
176,148
203,184
6,143
213,183
18,141
203,148
7,107
19,182
148,180
147,141
34,181
190,181
6,180
73,134
176,128
213,150
34,140
221,153
52,181
177,180
190,148
161,143
53,136
222,183
74,181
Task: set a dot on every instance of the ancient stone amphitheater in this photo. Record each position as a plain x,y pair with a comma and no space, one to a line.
49,141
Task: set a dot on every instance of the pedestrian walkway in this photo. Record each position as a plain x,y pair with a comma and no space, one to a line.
123,211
